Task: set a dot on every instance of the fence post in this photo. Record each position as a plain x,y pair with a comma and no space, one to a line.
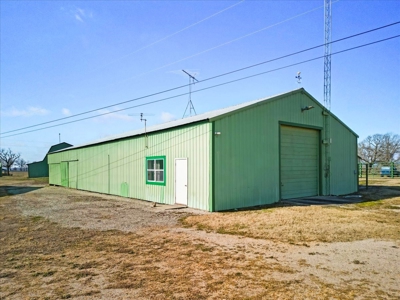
366,176
391,169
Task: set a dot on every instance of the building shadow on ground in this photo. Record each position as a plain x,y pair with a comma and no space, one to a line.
16,190
373,193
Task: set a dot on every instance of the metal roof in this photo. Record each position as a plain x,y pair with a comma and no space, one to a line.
177,123
54,148
189,120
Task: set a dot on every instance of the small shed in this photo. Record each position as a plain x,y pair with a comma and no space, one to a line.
41,168
255,153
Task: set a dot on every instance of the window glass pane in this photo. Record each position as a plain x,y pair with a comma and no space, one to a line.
150,164
160,164
160,176
155,168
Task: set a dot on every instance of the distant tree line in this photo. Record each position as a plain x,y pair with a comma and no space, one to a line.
380,148
8,159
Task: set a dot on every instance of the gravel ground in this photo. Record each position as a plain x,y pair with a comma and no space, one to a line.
85,210
367,269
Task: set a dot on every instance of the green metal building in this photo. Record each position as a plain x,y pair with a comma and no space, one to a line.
41,168
250,154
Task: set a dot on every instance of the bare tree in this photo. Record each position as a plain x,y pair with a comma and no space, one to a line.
21,163
369,149
8,158
383,148
391,148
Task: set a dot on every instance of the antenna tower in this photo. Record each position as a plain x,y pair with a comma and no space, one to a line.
327,94
192,80
327,58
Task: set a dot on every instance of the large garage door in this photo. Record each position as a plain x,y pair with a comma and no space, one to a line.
299,162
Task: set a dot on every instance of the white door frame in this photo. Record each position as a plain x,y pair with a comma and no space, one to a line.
183,193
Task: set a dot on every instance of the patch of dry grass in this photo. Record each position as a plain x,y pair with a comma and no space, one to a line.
391,183
379,219
42,260
305,224
22,178
46,261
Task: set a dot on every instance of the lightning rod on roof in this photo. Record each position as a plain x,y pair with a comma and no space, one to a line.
192,80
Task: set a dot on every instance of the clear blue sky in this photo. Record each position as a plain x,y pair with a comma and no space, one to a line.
60,58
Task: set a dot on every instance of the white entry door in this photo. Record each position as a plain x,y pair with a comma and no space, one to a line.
181,191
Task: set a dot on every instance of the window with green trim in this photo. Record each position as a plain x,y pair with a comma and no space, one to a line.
155,170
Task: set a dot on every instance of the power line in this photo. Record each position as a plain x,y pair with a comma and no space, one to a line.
210,87
203,89
226,43
200,81
204,51
138,50
175,33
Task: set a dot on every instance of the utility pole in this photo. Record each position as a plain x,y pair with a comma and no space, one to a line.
327,94
192,80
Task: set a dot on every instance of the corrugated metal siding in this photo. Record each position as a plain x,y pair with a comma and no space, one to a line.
73,174
38,169
343,160
54,174
247,151
183,122
64,174
119,167
246,166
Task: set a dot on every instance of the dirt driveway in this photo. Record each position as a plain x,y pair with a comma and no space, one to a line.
58,243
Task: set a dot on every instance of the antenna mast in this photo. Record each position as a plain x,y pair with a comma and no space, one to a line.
145,120
298,77
145,129
327,94
192,80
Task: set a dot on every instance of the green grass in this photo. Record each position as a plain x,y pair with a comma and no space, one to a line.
37,218
370,204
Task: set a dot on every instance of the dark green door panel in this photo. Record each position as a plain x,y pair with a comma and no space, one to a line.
73,174
64,174
299,162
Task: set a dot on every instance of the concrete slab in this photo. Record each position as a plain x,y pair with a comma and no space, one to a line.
168,207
